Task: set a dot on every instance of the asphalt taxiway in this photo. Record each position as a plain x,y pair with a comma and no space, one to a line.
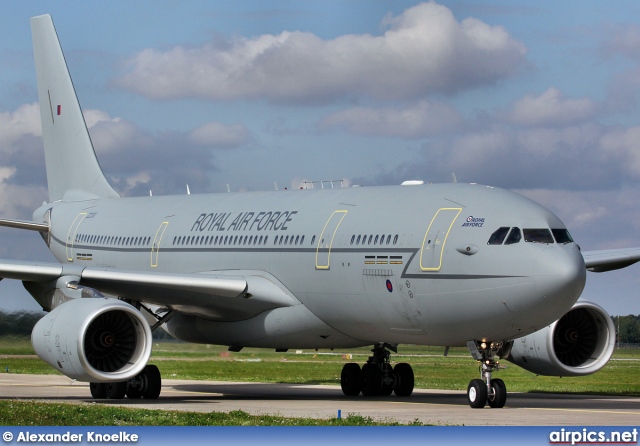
440,407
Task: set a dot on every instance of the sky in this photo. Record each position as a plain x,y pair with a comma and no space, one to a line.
541,98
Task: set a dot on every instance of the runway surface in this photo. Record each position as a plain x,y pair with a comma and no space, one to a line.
441,407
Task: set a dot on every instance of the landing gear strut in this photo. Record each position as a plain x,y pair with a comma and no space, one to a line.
487,390
377,377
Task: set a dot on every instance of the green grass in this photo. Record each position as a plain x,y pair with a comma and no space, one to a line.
189,361
23,413
432,370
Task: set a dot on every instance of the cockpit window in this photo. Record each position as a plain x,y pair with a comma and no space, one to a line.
538,235
498,237
562,236
514,236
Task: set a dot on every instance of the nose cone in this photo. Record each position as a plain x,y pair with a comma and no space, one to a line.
559,277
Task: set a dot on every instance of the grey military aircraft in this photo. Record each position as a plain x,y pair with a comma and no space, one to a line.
437,264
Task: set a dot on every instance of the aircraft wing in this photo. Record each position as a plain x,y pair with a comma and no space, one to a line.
216,294
610,259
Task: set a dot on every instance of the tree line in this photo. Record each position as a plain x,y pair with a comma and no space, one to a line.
20,323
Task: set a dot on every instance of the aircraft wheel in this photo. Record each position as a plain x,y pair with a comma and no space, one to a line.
404,379
153,382
371,380
477,394
499,397
133,393
98,390
388,380
116,390
350,379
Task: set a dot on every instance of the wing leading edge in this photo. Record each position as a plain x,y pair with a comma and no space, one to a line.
213,294
610,259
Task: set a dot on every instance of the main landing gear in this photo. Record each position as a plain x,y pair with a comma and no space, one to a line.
487,390
146,384
377,377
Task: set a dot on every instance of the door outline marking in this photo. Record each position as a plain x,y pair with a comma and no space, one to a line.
338,221
436,240
155,247
71,235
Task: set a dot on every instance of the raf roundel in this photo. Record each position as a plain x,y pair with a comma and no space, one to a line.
389,286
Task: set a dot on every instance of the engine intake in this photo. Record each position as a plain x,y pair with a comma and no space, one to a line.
94,339
580,343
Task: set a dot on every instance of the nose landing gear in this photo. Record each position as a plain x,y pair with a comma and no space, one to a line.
487,390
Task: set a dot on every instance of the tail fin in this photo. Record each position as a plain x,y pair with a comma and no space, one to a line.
73,171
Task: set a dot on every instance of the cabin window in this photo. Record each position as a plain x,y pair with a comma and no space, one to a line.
562,236
538,236
513,237
395,239
313,239
498,236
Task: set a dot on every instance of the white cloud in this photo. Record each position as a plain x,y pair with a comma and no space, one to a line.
623,144
24,121
424,50
551,108
215,134
416,121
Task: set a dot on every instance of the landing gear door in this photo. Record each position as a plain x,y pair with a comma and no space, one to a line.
325,241
436,238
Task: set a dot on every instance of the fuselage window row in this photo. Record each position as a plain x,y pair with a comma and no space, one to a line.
112,240
370,240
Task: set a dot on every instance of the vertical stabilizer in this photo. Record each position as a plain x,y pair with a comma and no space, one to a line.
73,171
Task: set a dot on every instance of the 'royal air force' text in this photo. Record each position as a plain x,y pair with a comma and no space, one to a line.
244,221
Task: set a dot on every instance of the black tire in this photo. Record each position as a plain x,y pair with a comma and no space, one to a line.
98,390
371,380
477,394
388,380
350,379
153,381
499,397
117,390
133,393
404,379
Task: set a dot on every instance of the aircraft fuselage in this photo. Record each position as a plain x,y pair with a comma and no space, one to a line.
403,264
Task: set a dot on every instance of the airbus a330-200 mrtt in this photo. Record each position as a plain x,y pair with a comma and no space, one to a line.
450,264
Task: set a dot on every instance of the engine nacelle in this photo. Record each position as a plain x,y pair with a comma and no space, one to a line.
94,339
580,343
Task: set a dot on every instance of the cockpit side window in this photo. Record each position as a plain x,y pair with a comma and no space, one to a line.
498,237
514,236
562,236
538,236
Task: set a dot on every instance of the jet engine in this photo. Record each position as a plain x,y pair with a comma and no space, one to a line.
579,343
94,339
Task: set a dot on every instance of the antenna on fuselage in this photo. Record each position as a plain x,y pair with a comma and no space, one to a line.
188,191
275,185
228,188
453,177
